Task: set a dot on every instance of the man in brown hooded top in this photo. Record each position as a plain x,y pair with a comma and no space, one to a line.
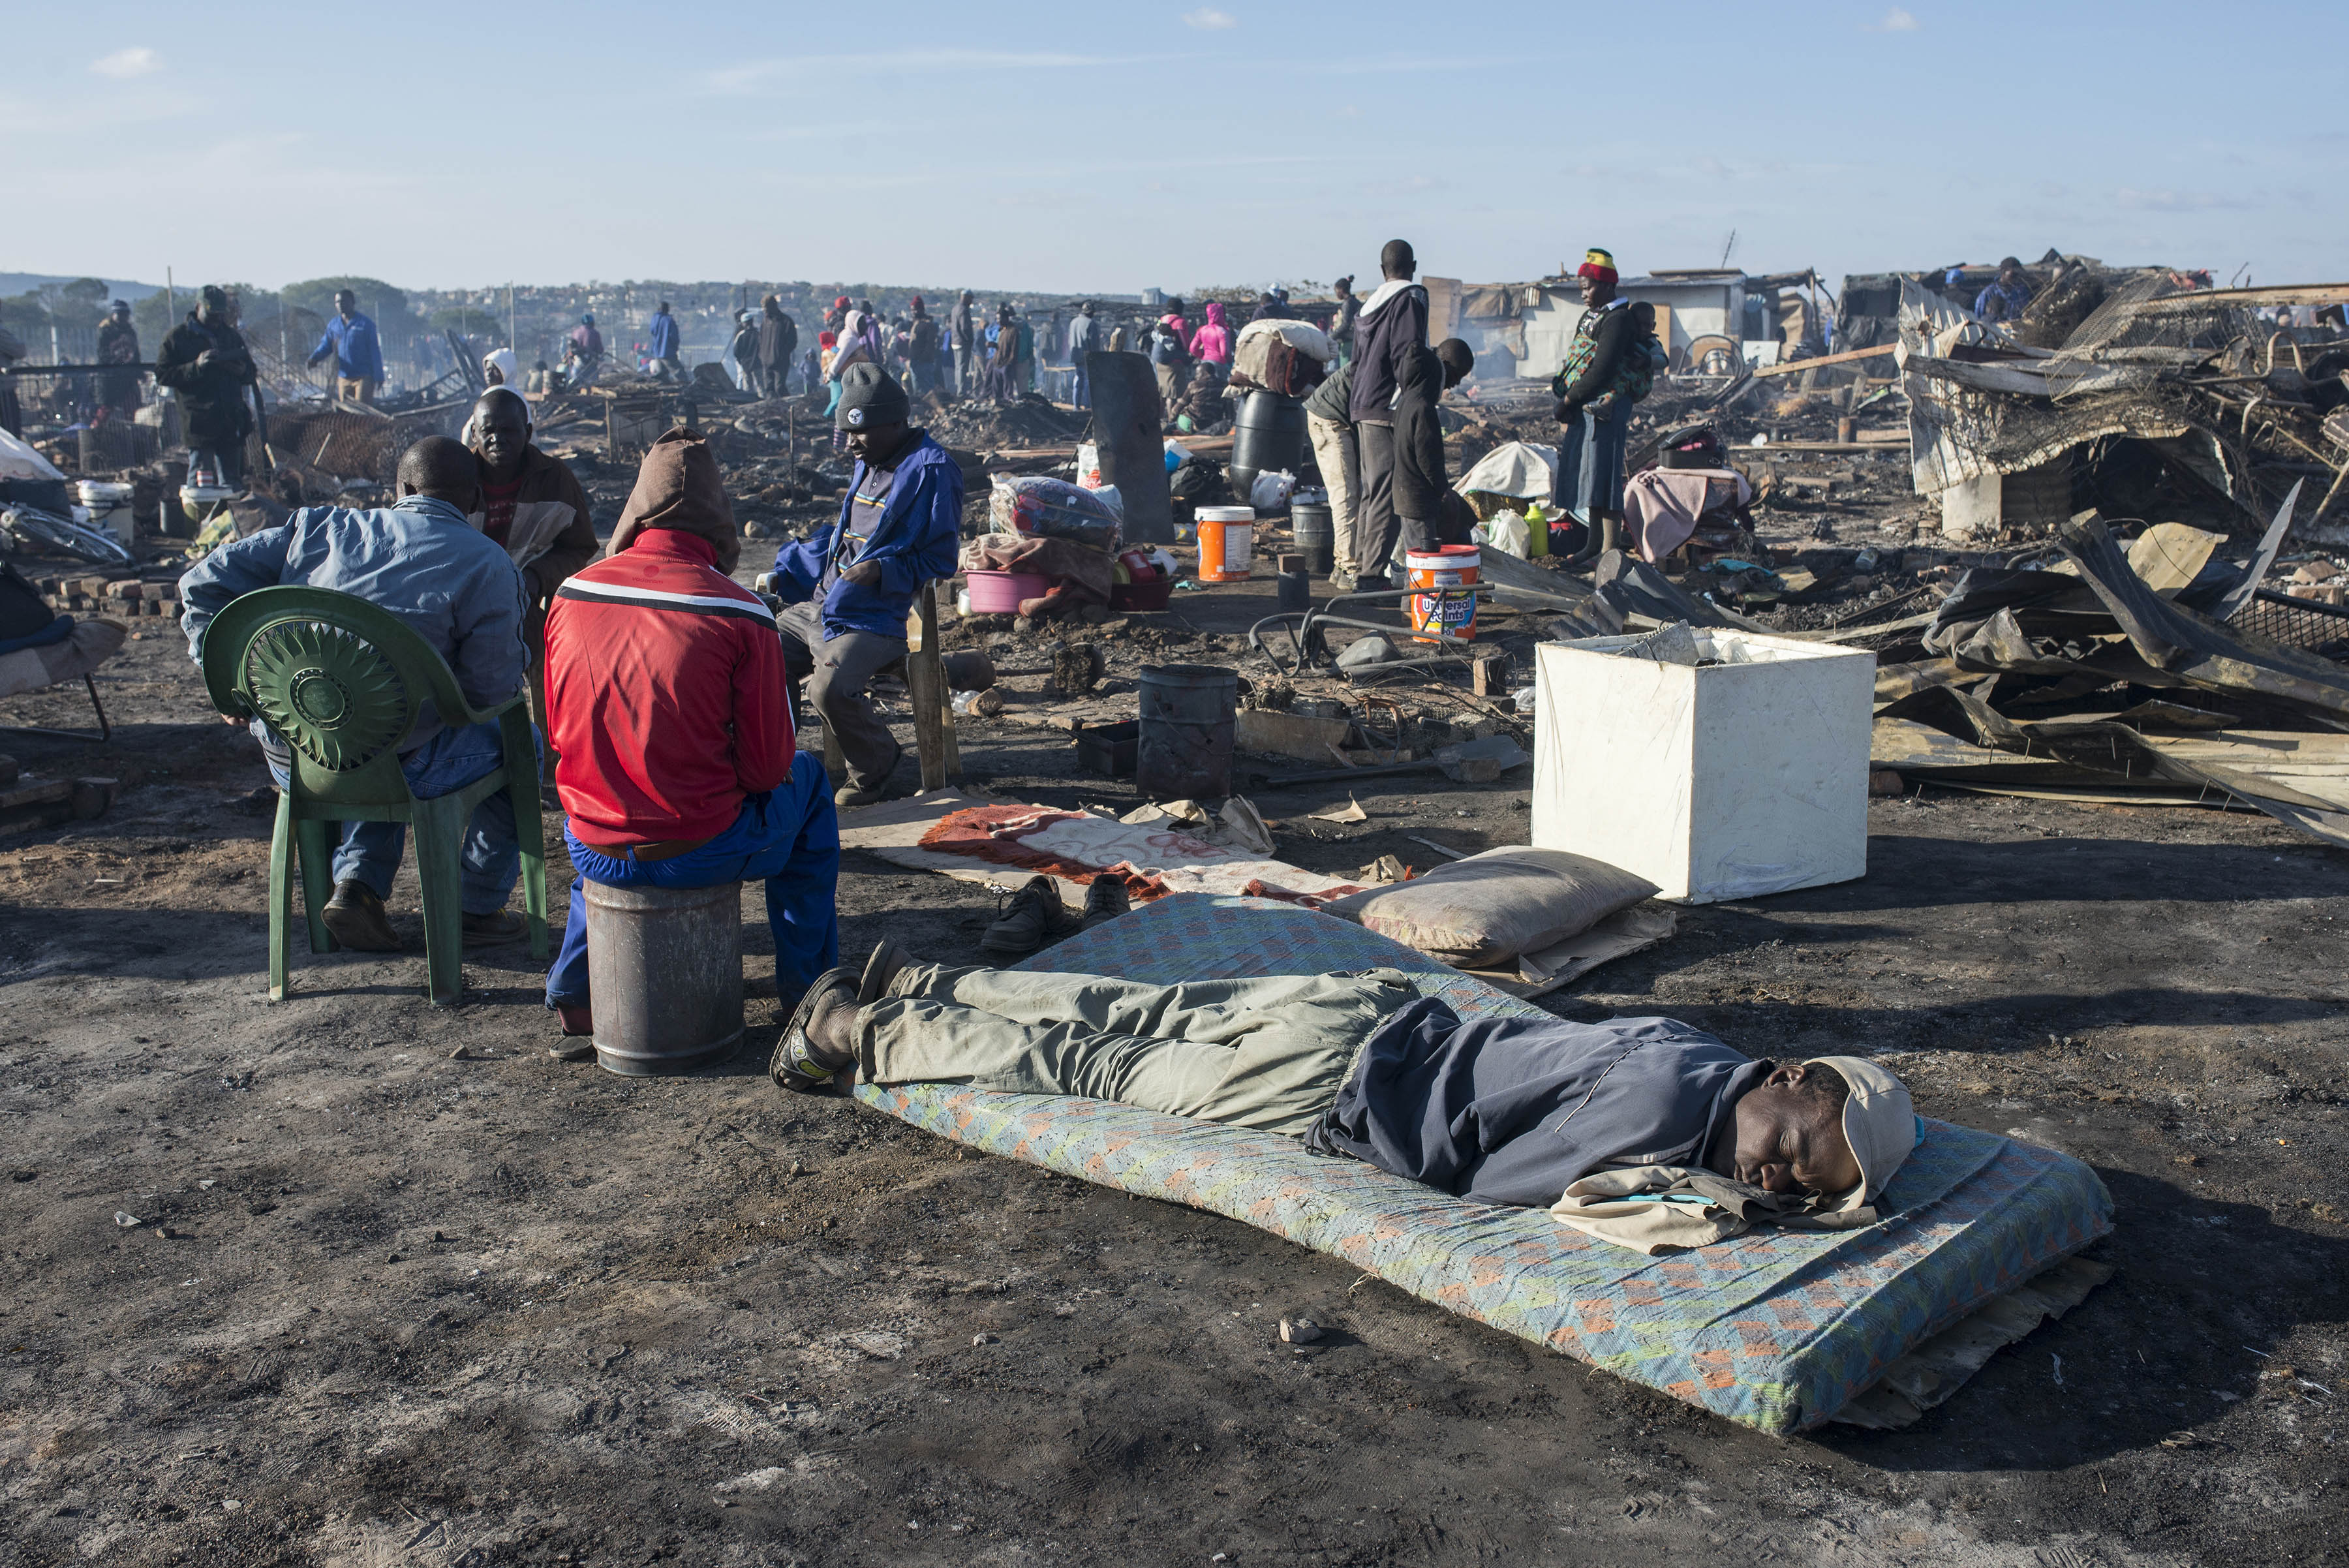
669,708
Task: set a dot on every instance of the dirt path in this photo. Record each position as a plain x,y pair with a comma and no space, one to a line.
384,1304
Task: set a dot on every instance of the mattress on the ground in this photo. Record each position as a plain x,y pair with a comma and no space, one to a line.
1775,1329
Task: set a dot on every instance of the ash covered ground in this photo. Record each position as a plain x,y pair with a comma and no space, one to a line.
400,1287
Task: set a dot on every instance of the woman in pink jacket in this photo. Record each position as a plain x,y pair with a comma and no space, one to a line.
1213,342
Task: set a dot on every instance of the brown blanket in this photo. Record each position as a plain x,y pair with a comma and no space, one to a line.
1080,575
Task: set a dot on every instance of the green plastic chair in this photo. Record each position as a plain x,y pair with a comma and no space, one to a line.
341,681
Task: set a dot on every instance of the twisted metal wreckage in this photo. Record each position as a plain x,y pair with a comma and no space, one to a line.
2164,673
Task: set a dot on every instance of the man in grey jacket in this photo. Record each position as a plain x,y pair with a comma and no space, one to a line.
424,561
970,352
1084,337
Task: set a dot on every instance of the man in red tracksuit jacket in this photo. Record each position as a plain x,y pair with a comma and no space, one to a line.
669,710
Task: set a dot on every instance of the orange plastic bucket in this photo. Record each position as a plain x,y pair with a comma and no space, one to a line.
1443,585
1226,543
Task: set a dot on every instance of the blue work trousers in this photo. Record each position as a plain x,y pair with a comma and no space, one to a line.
370,851
788,837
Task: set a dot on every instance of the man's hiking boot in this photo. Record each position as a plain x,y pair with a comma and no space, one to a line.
355,917
882,967
1106,899
801,1064
857,793
494,929
1034,918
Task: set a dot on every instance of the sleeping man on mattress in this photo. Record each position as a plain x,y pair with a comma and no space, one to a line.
1641,1130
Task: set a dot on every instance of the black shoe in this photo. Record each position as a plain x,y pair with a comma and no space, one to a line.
355,917
1106,899
1035,918
799,1063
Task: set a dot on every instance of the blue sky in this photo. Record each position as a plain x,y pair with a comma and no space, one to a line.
1110,147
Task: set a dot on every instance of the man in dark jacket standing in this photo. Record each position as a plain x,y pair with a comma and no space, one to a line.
1389,333
743,350
1596,414
919,347
779,340
205,360
849,587
118,344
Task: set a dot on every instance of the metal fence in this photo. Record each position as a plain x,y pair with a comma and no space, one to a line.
2318,627
84,418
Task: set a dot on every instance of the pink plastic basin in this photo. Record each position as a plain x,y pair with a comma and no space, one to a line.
999,593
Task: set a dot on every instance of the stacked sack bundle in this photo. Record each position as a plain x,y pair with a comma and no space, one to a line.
1050,544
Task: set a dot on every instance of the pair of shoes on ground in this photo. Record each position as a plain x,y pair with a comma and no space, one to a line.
355,918
814,1046
1035,918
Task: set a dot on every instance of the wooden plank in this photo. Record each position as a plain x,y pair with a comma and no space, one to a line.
2007,378
2277,293
1488,673
925,678
1261,732
1788,366
1899,443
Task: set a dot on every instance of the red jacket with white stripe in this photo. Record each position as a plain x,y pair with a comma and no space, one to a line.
667,702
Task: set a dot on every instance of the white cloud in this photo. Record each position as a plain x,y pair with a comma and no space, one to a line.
1209,19
2175,200
736,80
1896,21
124,64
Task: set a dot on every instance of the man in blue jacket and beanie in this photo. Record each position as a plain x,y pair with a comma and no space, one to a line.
848,589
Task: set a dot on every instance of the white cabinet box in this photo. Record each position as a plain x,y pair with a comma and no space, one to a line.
1722,780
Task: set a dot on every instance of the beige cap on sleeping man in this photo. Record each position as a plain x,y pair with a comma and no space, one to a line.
1879,1122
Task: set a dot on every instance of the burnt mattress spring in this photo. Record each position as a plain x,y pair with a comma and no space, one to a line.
1776,1330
